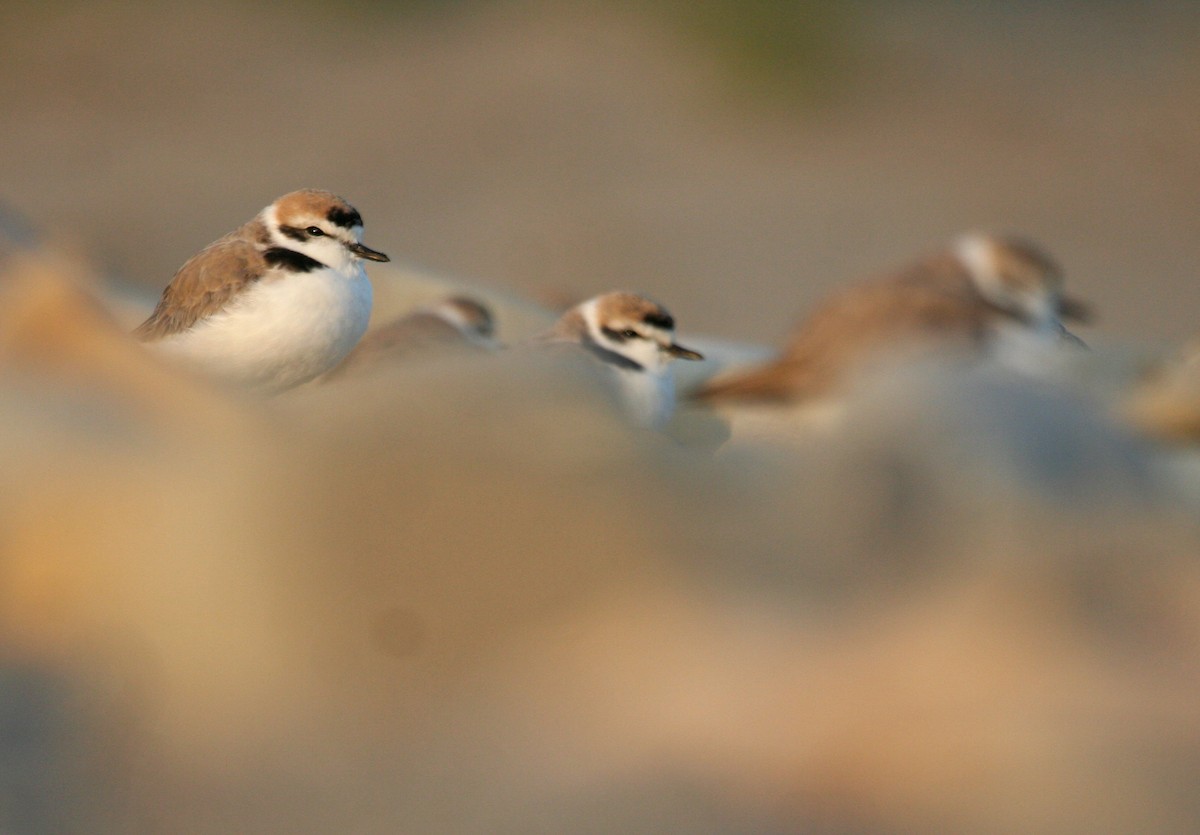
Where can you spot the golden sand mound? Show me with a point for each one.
(462, 595)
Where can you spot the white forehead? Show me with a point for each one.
(978, 254)
(604, 312)
(590, 311)
(306, 217)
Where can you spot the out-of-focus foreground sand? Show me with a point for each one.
(463, 596)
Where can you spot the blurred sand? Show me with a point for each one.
(462, 595)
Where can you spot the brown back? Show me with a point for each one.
(207, 282)
(931, 302)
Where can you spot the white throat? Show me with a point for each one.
(648, 396)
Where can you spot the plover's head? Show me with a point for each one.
(632, 332)
(469, 316)
(320, 225)
(1019, 278)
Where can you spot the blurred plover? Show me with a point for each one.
(453, 323)
(984, 295)
(274, 303)
(635, 338)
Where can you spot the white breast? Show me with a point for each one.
(282, 331)
(1037, 351)
(649, 396)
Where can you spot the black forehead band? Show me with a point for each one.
(660, 320)
(344, 216)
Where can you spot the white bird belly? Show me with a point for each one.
(281, 332)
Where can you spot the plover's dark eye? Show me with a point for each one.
(630, 333)
(315, 231)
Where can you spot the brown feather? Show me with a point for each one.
(208, 282)
(570, 327)
(931, 302)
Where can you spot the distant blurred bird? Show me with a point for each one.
(635, 338)
(982, 296)
(1165, 402)
(17, 232)
(274, 303)
(453, 323)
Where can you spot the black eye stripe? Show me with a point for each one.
(298, 234)
(623, 335)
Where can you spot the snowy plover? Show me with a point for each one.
(984, 295)
(635, 337)
(454, 323)
(274, 303)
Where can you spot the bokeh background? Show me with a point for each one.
(736, 159)
(462, 595)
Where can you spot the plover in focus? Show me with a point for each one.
(274, 303)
